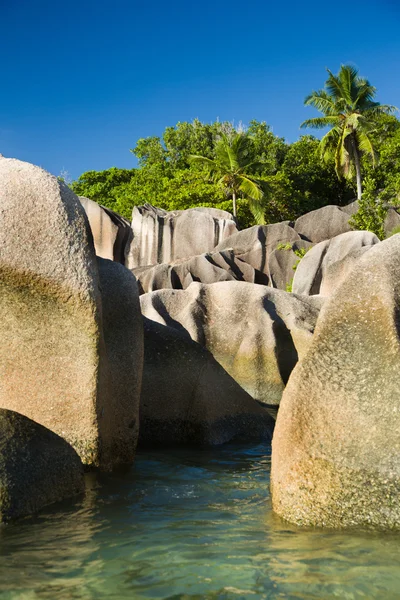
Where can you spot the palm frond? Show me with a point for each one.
(322, 102)
(348, 77)
(258, 210)
(365, 145)
(334, 87)
(321, 122)
(250, 188)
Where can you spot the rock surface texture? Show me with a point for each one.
(112, 234)
(188, 398)
(165, 237)
(123, 336)
(205, 268)
(255, 245)
(392, 220)
(324, 223)
(283, 263)
(255, 332)
(336, 446)
(37, 467)
(53, 358)
(328, 263)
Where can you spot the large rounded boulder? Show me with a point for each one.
(328, 263)
(255, 332)
(189, 399)
(160, 236)
(54, 364)
(255, 244)
(323, 223)
(37, 467)
(336, 447)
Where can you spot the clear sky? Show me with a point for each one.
(82, 80)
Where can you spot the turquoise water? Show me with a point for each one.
(189, 525)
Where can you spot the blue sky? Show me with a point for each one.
(82, 80)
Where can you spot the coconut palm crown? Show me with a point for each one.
(348, 107)
(231, 169)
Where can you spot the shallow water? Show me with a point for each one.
(189, 525)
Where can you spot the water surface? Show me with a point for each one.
(189, 525)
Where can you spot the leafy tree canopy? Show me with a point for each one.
(293, 177)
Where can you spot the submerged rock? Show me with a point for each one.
(54, 366)
(336, 446)
(37, 467)
(255, 332)
(188, 398)
(164, 237)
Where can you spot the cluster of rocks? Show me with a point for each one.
(177, 329)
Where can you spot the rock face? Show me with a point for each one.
(392, 221)
(37, 467)
(283, 262)
(324, 223)
(253, 331)
(53, 358)
(165, 237)
(327, 264)
(255, 245)
(336, 443)
(112, 234)
(206, 268)
(123, 336)
(188, 398)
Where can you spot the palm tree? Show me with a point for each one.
(348, 107)
(230, 169)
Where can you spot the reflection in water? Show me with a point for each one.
(189, 525)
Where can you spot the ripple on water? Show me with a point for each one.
(189, 525)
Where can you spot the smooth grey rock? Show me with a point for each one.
(336, 446)
(188, 398)
(206, 268)
(283, 263)
(351, 208)
(54, 366)
(37, 467)
(323, 224)
(255, 245)
(164, 237)
(112, 234)
(392, 220)
(123, 336)
(329, 262)
(255, 332)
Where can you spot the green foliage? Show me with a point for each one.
(372, 210)
(349, 109)
(231, 169)
(292, 177)
(106, 187)
(287, 246)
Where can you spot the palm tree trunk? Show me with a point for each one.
(234, 203)
(357, 166)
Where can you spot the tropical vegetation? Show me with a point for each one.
(267, 179)
(232, 170)
(349, 109)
